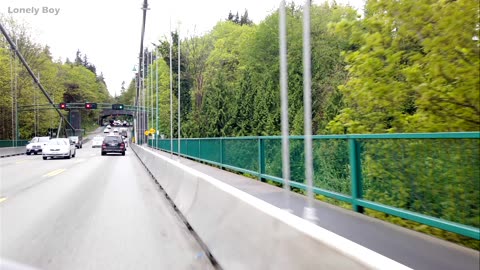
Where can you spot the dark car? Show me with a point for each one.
(77, 140)
(113, 144)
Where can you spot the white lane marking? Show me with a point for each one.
(21, 161)
(3, 199)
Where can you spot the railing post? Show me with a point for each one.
(356, 174)
(199, 148)
(221, 153)
(261, 159)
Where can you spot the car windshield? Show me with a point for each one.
(112, 139)
(43, 139)
(56, 142)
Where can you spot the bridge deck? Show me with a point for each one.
(413, 249)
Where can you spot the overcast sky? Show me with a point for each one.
(108, 31)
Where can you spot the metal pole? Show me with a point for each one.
(156, 97)
(171, 92)
(284, 104)
(309, 211)
(179, 104)
(59, 127)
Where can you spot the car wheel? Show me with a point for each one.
(35, 153)
(44, 158)
(69, 155)
(81, 146)
(28, 153)
(103, 153)
(74, 153)
(123, 153)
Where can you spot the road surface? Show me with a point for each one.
(90, 212)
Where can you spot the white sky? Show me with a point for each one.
(108, 31)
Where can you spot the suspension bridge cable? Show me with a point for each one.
(25, 64)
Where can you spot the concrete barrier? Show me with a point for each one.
(243, 232)
(12, 151)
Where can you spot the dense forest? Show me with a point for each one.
(404, 66)
(75, 81)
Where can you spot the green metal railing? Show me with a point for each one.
(430, 178)
(9, 143)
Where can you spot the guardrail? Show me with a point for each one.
(244, 232)
(10, 143)
(430, 178)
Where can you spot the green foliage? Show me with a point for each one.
(413, 67)
(64, 82)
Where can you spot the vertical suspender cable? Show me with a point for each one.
(144, 121)
(309, 212)
(179, 104)
(147, 91)
(12, 56)
(171, 92)
(151, 93)
(15, 68)
(156, 97)
(284, 103)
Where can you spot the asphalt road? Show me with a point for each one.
(89, 212)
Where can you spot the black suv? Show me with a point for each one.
(113, 144)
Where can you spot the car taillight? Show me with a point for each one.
(104, 145)
(122, 145)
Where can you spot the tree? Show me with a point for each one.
(413, 67)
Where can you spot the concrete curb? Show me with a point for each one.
(12, 151)
(244, 232)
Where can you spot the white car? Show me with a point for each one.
(36, 145)
(97, 141)
(60, 147)
(106, 130)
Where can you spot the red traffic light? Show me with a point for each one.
(62, 106)
(89, 105)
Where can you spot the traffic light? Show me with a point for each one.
(117, 107)
(62, 106)
(89, 105)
